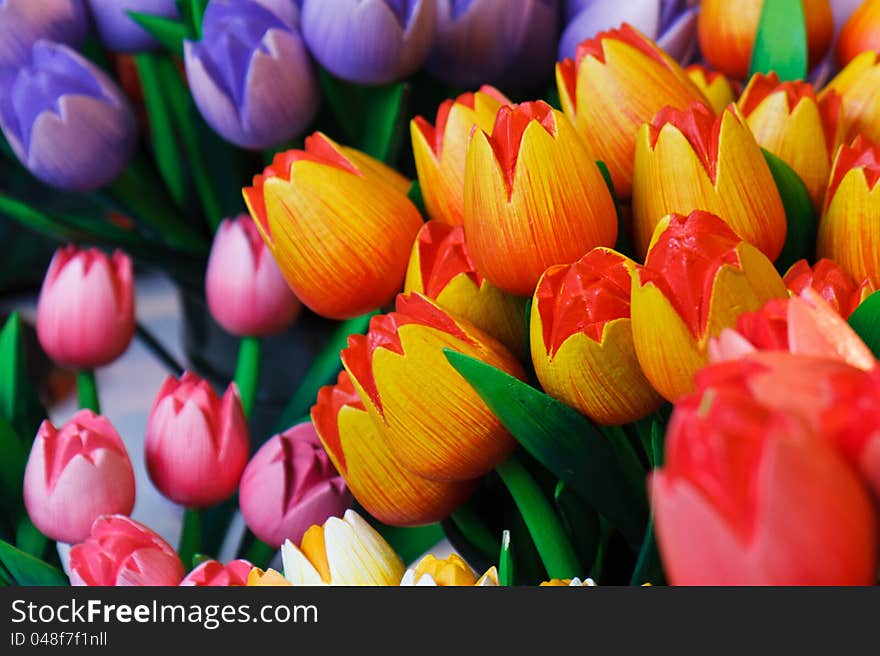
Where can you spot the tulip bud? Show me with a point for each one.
(447, 572)
(75, 474)
(85, 313)
(545, 194)
(434, 423)
(440, 149)
(370, 42)
(378, 481)
(835, 286)
(750, 496)
(618, 80)
(860, 33)
(289, 485)
(788, 120)
(346, 551)
(858, 86)
(246, 292)
(697, 279)
(691, 160)
(246, 49)
(581, 339)
(66, 120)
(849, 232)
(269, 578)
(441, 268)
(214, 574)
(671, 23)
(339, 225)
(122, 552)
(24, 22)
(727, 31)
(802, 325)
(119, 32)
(717, 89)
(196, 444)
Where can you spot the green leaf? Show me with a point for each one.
(800, 217)
(475, 531)
(781, 41)
(505, 561)
(167, 31)
(35, 220)
(409, 543)
(561, 439)
(384, 117)
(29, 539)
(13, 458)
(649, 568)
(866, 322)
(20, 405)
(196, 13)
(23, 569)
(322, 371)
(581, 524)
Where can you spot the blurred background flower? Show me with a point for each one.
(24, 22)
(121, 33)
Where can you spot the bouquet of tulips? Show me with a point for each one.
(616, 329)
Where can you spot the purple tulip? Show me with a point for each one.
(369, 41)
(671, 23)
(24, 22)
(66, 120)
(118, 31)
(250, 75)
(480, 41)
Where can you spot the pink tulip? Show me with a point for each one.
(246, 292)
(215, 574)
(121, 551)
(76, 474)
(85, 315)
(289, 485)
(196, 444)
(752, 496)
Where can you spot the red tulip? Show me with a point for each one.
(215, 574)
(839, 289)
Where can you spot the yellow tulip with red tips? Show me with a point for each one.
(338, 223)
(356, 446)
(440, 149)
(717, 89)
(618, 80)
(432, 420)
(581, 339)
(860, 33)
(858, 86)
(534, 197)
(849, 230)
(690, 160)
(441, 268)
(789, 121)
(697, 280)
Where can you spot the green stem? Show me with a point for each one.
(190, 536)
(475, 531)
(87, 390)
(247, 371)
(505, 561)
(557, 554)
(260, 554)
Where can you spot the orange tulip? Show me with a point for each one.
(860, 33)
(834, 285)
(788, 120)
(433, 422)
(441, 268)
(727, 28)
(698, 278)
(858, 86)
(691, 160)
(356, 445)
(338, 223)
(849, 230)
(582, 343)
(440, 149)
(714, 85)
(618, 80)
(534, 197)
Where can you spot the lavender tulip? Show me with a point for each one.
(24, 22)
(671, 23)
(250, 75)
(369, 41)
(66, 121)
(118, 31)
(482, 41)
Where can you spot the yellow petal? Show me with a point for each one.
(270, 577)
(859, 87)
